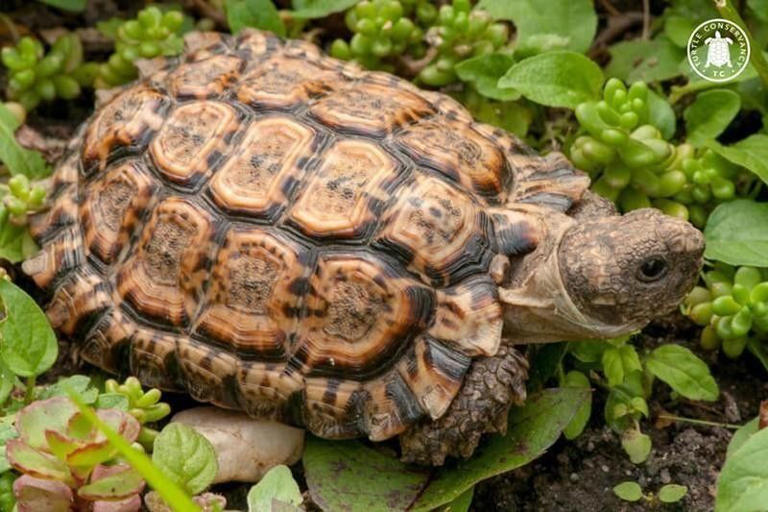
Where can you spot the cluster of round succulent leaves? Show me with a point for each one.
(36, 76)
(389, 28)
(633, 165)
(152, 34)
(21, 197)
(731, 306)
(145, 406)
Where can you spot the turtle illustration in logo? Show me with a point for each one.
(718, 53)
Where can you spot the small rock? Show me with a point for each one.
(664, 476)
(574, 477)
(246, 447)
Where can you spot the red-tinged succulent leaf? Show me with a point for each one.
(59, 444)
(115, 482)
(36, 463)
(86, 457)
(80, 428)
(37, 494)
(122, 422)
(132, 504)
(51, 414)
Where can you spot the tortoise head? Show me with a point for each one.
(606, 276)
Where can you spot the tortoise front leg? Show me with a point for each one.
(490, 387)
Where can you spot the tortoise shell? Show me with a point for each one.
(276, 231)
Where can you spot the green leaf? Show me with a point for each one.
(460, 504)
(612, 367)
(751, 153)
(555, 79)
(628, 491)
(278, 484)
(661, 115)
(484, 72)
(678, 29)
(7, 382)
(347, 475)
(576, 379)
(17, 159)
(533, 428)
(743, 482)
(186, 457)
(112, 401)
(35, 462)
(636, 444)
(308, 9)
(80, 384)
(590, 351)
(710, 114)
(118, 485)
(67, 5)
(672, 493)
(683, 371)
(109, 27)
(545, 359)
(7, 432)
(574, 21)
(51, 414)
(741, 435)
(760, 8)
(647, 61)
(16, 243)
(737, 233)
(29, 346)
(260, 14)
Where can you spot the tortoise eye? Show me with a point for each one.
(652, 269)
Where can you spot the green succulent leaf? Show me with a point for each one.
(710, 114)
(310, 9)
(737, 233)
(555, 79)
(277, 485)
(29, 345)
(51, 414)
(118, 484)
(484, 72)
(260, 14)
(683, 371)
(17, 159)
(185, 456)
(572, 21)
(36, 463)
(743, 482)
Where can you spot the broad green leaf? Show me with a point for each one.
(484, 72)
(740, 436)
(185, 456)
(7, 432)
(51, 414)
(678, 29)
(589, 351)
(278, 484)
(17, 159)
(574, 21)
(661, 115)
(260, 14)
(533, 428)
(760, 8)
(672, 493)
(710, 114)
(67, 5)
(555, 79)
(648, 61)
(636, 444)
(630, 361)
(460, 504)
(29, 346)
(683, 371)
(118, 485)
(737, 233)
(347, 475)
(16, 243)
(112, 401)
(7, 382)
(612, 367)
(576, 379)
(751, 153)
(80, 384)
(628, 491)
(307, 9)
(35, 462)
(743, 482)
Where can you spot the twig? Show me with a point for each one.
(699, 422)
(412, 66)
(609, 8)
(617, 26)
(646, 19)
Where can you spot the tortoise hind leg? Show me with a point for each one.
(490, 387)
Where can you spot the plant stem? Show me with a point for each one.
(30, 394)
(727, 11)
(699, 422)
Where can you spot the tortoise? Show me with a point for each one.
(275, 231)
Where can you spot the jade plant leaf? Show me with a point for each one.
(36, 463)
(112, 482)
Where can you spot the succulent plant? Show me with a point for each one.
(63, 458)
(20, 197)
(151, 34)
(35, 76)
(145, 406)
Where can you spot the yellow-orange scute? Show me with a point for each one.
(280, 232)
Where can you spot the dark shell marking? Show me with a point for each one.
(280, 232)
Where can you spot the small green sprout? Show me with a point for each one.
(20, 197)
(35, 76)
(151, 34)
(146, 407)
(631, 492)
